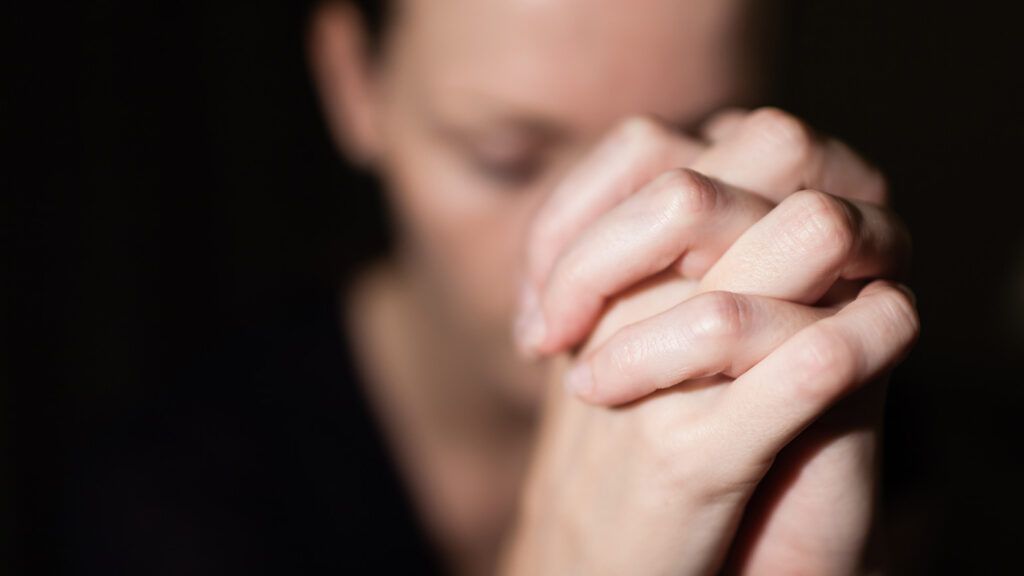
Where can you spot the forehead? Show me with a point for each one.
(582, 62)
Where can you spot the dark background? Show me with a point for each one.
(173, 192)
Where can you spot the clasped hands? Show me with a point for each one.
(724, 311)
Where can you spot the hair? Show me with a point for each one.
(376, 17)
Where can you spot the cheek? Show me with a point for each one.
(470, 237)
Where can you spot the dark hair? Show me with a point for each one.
(376, 14)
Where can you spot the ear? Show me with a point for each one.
(341, 66)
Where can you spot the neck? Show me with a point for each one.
(460, 443)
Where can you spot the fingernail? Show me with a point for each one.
(579, 379)
(530, 327)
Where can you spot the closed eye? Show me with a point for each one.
(508, 172)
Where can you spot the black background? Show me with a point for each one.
(171, 187)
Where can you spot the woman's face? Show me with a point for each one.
(478, 106)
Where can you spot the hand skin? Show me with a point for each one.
(748, 274)
(659, 486)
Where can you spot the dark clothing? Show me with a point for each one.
(266, 461)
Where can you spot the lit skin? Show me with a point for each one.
(712, 276)
(727, 276)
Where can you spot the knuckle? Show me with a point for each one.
(687, 193)
(723, 314)
(639, 129)
(728, 115)
(782, 127)
(825, 223)
(900, 313)
(638, 135)
(624, 352)
(827, 361)
(785, 130)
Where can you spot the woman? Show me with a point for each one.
(708, 283)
